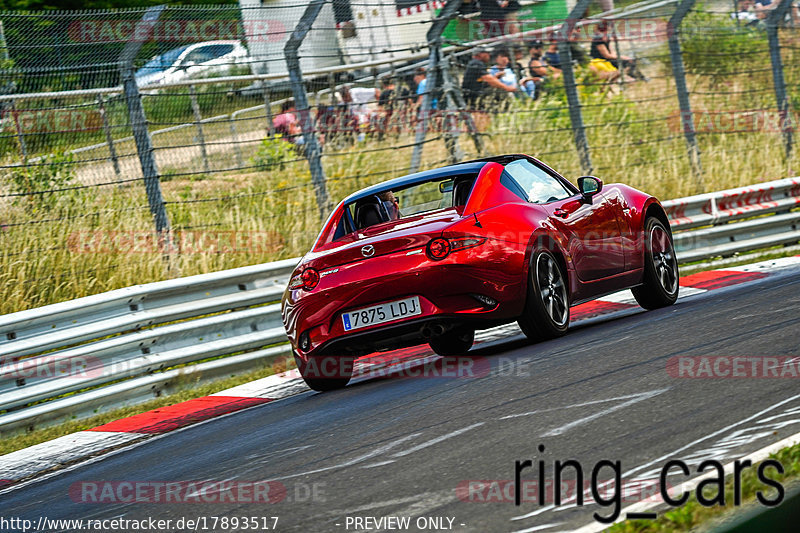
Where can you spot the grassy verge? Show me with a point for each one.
(18, 442)
(694, 516)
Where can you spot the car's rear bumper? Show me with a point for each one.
(446, 290)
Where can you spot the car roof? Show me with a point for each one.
(418, 177)
(442, 172)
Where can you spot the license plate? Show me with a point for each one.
(377, 314)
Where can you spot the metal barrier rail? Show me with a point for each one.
(724, 206)
(117, 344)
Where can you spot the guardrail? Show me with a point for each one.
(118, 344)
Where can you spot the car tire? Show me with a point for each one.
(546, 313)
(457, 341)
(325, 373)
(660, 284)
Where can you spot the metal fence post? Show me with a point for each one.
(312, 148)
(773, 21)
(20, 136)
(460, 105)
(198, 122)
(424, 110)
(571, 88)
(268, 111)
(678, 71)
(141, 135)
(112, 151)
(434, 38)
(332, 83)
(235, 140)
(451, 115)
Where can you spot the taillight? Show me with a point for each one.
(467, 242)
(438, 248)
(308, 279)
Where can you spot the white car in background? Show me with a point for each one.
(192, 61)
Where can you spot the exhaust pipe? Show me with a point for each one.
(428, 332)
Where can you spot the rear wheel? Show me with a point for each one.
(660, 287)
(325, 373)
(546, 313)
(457, 341)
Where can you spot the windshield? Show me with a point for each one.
(162, 62)
(403, 202)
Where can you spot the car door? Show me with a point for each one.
(591, 228)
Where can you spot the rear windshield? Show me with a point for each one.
(404, 202)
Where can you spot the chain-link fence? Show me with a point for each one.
(138, 144)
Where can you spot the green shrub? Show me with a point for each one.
(50, 173)
(714, 45)
(274, 152)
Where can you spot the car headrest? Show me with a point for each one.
(368, 214)
(461, 192)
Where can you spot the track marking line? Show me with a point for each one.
(640, 397)
(582, 404)
(382, 463)
(544, 509)
(538, 528)
(436, 440)
(351, 462)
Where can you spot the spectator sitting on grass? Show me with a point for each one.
(602, 55)
(763, 8)
(287, 125)
(358, 101)
(552, 60)
(421, 80)
(744, 11)
(526, 83)
(538, 70)
(477, 80)
(503, 72)
(388, 95)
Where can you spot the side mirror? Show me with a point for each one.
(589, 186)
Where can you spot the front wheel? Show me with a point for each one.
(660, 284)
(457, 341)
(546, 313)
(325, 373)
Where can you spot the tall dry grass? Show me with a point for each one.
(96, 239)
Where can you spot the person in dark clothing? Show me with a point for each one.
(538, 69)
(499, 17)
(601, 50)
(552, 59)
(477, 80)
(387, 96)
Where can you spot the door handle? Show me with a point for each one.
(559, 212)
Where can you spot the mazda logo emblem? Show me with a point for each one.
(368, 250)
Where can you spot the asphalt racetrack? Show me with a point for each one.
(444, 449)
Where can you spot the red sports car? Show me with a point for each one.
(433, 256)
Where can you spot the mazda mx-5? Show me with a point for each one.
(431, 257)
